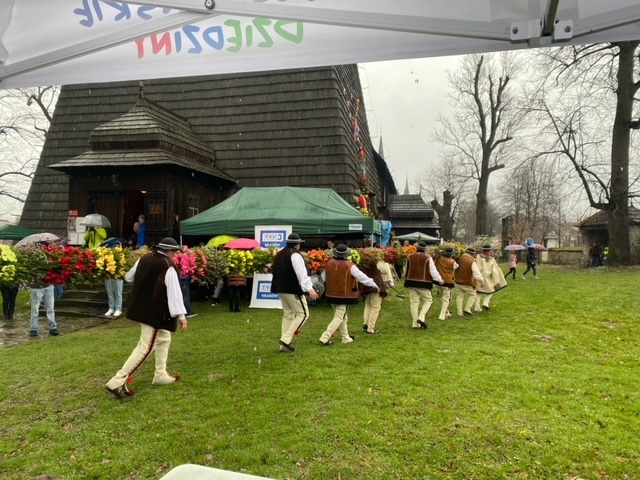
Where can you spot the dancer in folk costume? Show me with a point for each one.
(290, 282)
(493, 278)
(381, 274)
(342, 278)
(446, 266)
(419, 277)
(467, 276)
(156, 303)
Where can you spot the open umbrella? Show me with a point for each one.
(537, 247)
(44, 237)
(14, 232)
(96, 220)
(243, 244)
(220, 240)
(515, 246)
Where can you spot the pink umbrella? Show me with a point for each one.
(537, 247)
(515, 246)
(242, 244)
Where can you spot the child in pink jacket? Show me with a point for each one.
(513, 263)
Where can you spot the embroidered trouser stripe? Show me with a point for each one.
(146, 345)
(295, 313)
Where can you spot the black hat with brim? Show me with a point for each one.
(294, 238)
(168, 244)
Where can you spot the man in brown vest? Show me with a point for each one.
(446, 266)
(420, 274)
(342, 279)
(466, 277)
(156, 302)
(290, 281)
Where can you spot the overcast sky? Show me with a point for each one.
(403, 99)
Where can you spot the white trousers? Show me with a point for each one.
(415, 296)
(487, 299)
(445, 295)
(295, 313)
(338, 322)
(150, 339)
(470, 293)
(372, 306)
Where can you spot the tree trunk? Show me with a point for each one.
(619, 244)
(445, 215)
(481, 209)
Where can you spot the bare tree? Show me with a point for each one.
(585, 109)
(485, 119)
(25, 116)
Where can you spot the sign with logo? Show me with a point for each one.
(261, 296)
(272, 235)
(355, 227)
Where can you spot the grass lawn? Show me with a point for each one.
(546, 385)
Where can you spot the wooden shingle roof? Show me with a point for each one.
(601, 219)
(288, 127)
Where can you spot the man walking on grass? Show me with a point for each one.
(419, 277)
(290, 281)
(342, 279)
(156, 303)
(466, 276)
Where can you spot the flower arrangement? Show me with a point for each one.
(112, 263)
(495, 242)
(8, 260)
(458, 248)
(369, 257)
(192, 262)
(315, 260)
(409, 249)
(262, 259)
(239, 262)
(216, 264)
(394, 255)
(69, 265)
(31, 266)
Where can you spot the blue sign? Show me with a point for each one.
(273, 238)
(264, 291)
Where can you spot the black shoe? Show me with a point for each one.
(365, 327)
(468, 314)
(236, 310)
(33, 333)
(484, 307)
(192, 314)
(288, 346)
(54, 332)
(422, 324)
(328, 343)
(121, 392)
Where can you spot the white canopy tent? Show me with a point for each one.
(85, 41)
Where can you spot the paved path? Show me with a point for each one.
(16, 331)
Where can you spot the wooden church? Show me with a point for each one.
(172, 148)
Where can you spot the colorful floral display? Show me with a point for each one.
(239, 262)
(112, 263)
(370, 256)
(8, 261)
(315, 260)
(191, 262)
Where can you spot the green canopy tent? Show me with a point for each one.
(310, 211)
(417, 236)
(14, 232)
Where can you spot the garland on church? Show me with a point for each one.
(362, 198)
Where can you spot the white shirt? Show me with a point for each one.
(301, 272)
(174, 294)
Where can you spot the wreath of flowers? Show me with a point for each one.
(8, 261)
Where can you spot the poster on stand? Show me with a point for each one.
(261, 296)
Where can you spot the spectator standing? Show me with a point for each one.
(235, 285)
(9, 294)
(156, 303)
(595, 255)
(142, 232)
(291, 281)
(94, 236)
(42, 293)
